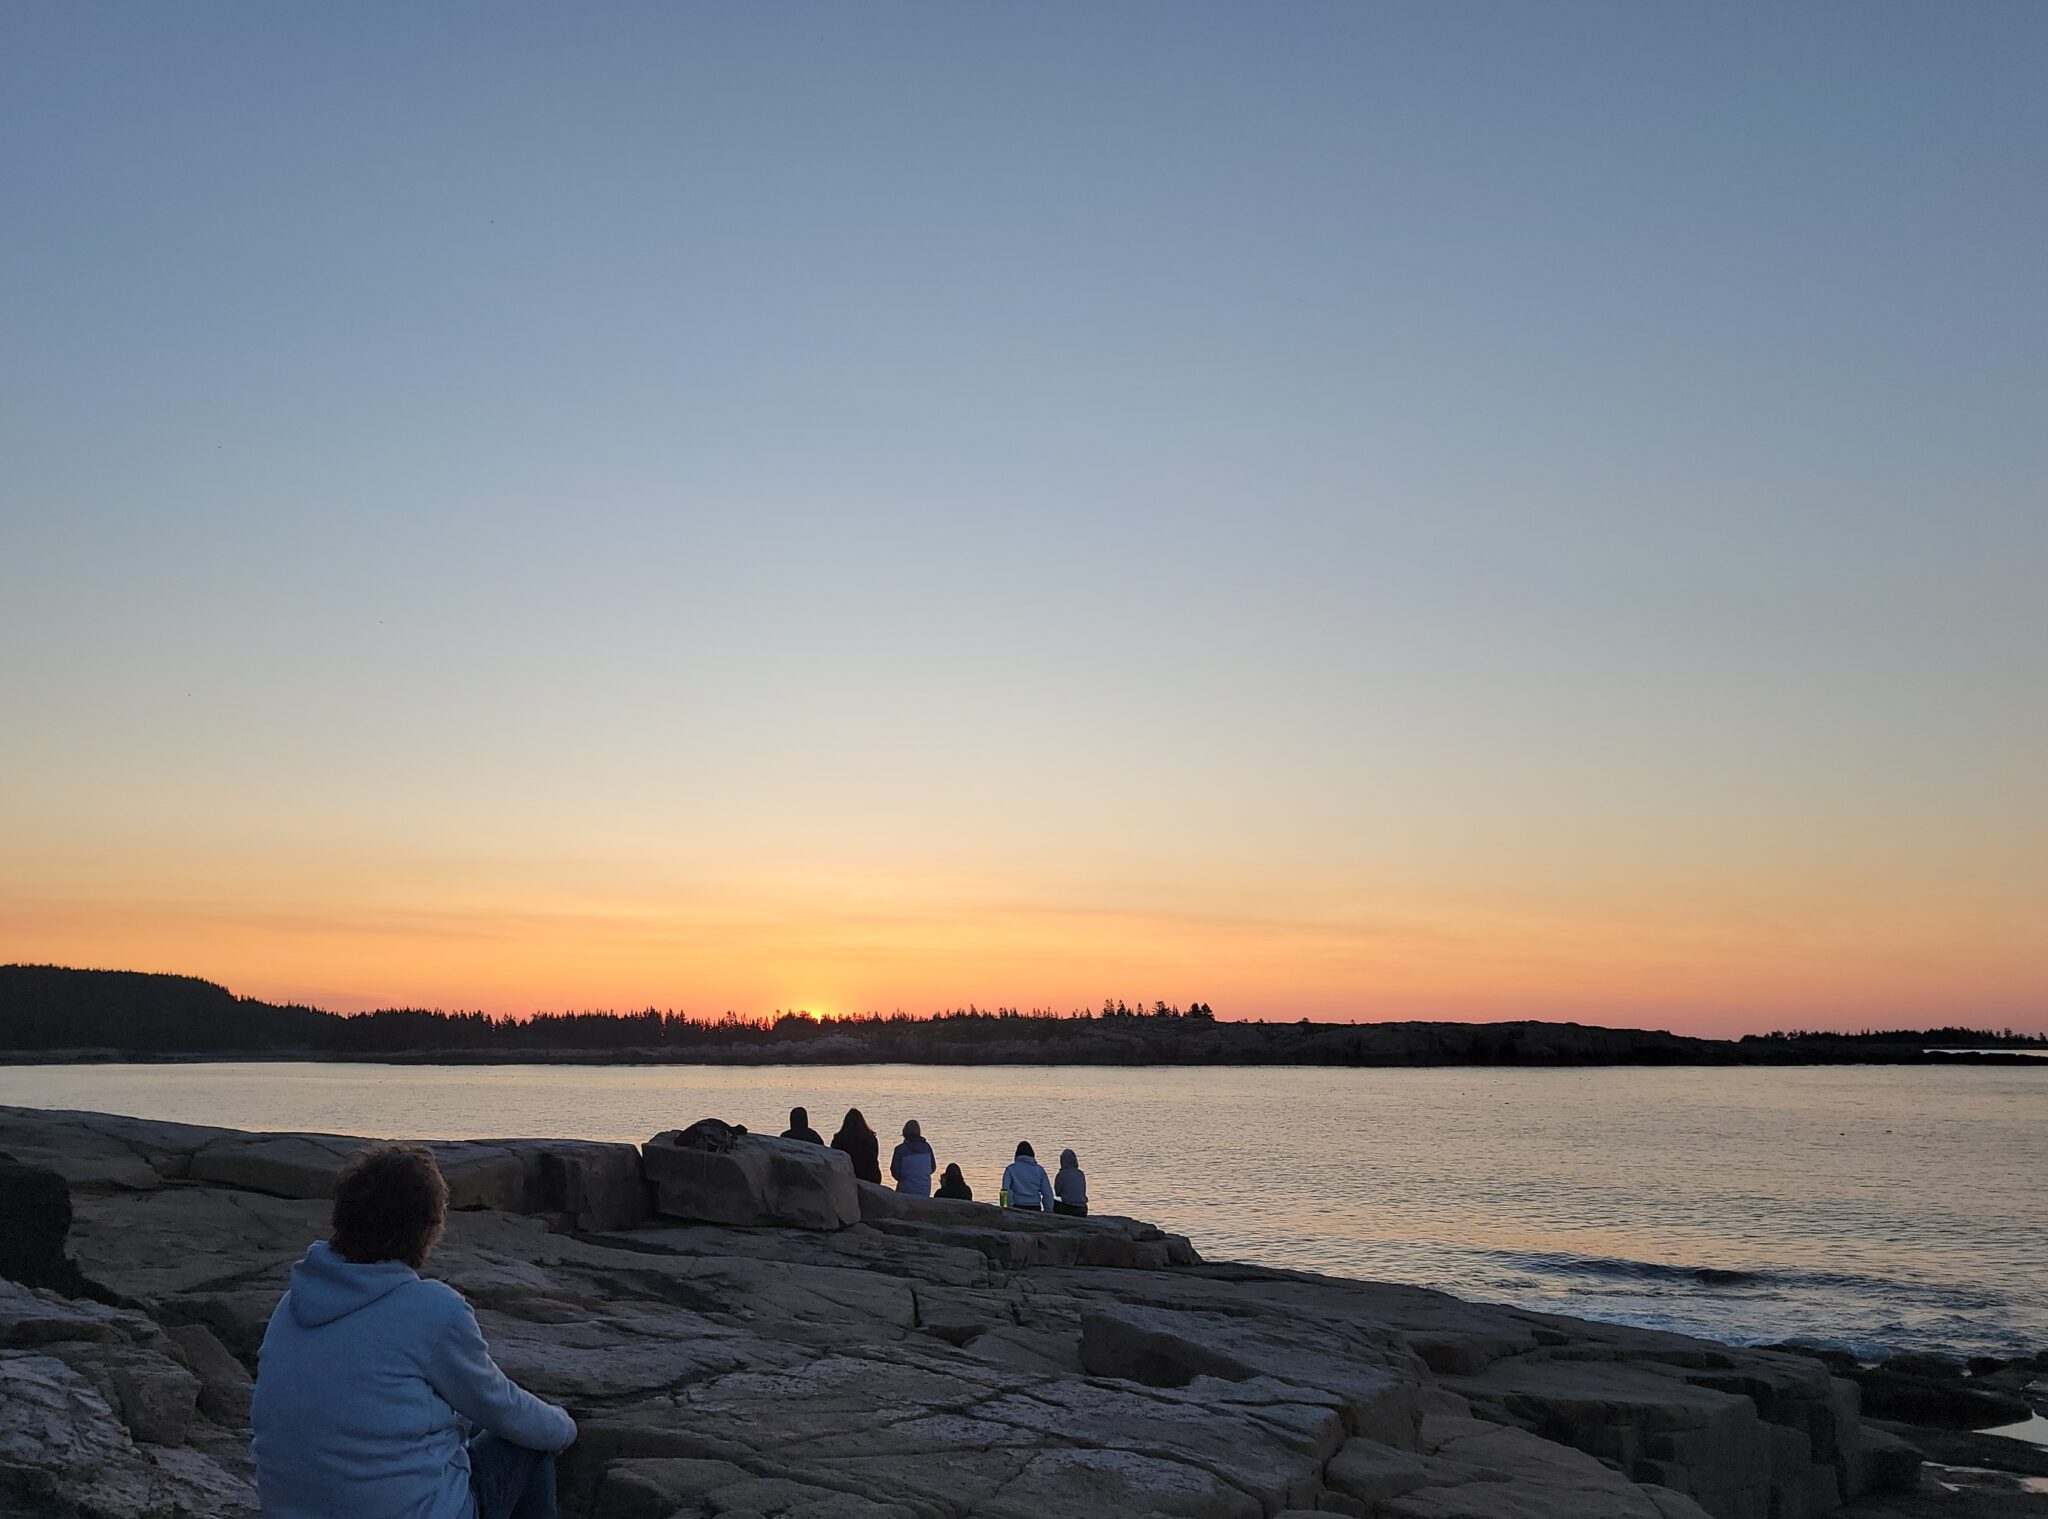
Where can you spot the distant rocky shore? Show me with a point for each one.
(755, 1335)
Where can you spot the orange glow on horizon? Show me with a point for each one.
(1704, 973)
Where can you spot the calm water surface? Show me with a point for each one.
(1868, 1208)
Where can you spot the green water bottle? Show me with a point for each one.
(1003, 1198)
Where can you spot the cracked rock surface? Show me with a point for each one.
(894, 1359)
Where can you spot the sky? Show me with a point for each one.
(1332, 510)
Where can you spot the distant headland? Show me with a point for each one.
(50, 1013)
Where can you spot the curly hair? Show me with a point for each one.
(389, 1205)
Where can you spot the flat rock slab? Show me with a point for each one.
(103, 1150)
(596, 1186)
(590, 1185)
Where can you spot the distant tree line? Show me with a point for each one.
(45, 1007)
(658, 1029)
(52, 1012)
(1953, 1037)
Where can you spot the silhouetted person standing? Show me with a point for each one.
(913, 1163)
(861, 1147)
(953, 1184)
(1025, 1184)
(800, 1127)
(1070, 1187)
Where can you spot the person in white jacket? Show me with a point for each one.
(376, 1397)
(1025, 1184)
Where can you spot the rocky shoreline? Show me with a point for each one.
(755, 1335)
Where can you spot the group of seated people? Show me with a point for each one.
(375, 1392)
(1025, 1184)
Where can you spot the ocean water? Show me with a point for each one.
(1871, 1209)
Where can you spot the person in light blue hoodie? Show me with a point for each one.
(1025, 1184)
(376, 1397)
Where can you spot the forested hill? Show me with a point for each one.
(47, 1007)
(47, 1012)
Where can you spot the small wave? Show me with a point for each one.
(1619, 1269)
(1612, 1276)
(1556, 1264)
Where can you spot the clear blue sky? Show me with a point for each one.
(1347, 509)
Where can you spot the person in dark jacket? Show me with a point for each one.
(861, 1147)
(913, 1162)
(800, 1127)
(1070, 1187)
(953, 1184)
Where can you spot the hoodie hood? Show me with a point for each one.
(1068, 1162)
(327, 1286)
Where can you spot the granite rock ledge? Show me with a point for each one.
(760, 1337)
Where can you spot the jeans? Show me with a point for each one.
(510, 1481)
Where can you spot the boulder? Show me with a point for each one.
(155, 1396)
(481, 1175)
(591, 1186)
(1841, 1362)
(758, 1181)
(35, 1202)
(1705, 1443)
(237, 1317)
(1956, 1447)
(306, 1165)
(102, 1151)
(1892, 1465)
(225, 1387)
(587, 1184)
(283, 1165)
(1941, 1400)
